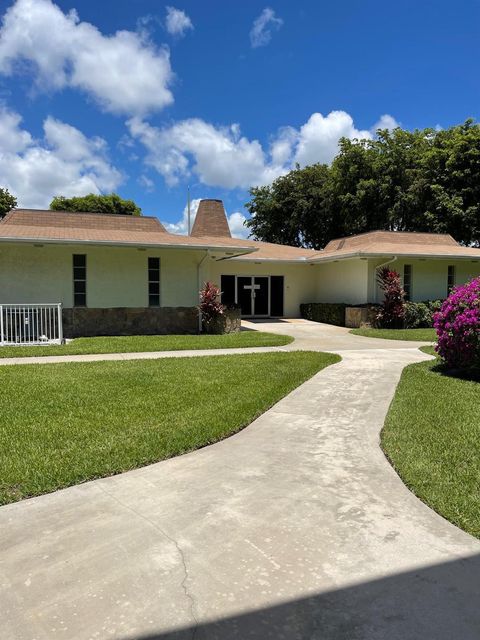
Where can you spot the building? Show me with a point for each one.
(121, 274)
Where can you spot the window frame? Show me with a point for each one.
(153, 281)
(408, 281)
(76, 280)
(451, 278)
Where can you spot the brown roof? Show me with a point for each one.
(270, 251)
(387, 243)
(84, 220)
(60, 226)
(211, 220)
(51, 226)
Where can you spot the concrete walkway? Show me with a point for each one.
(296, 528)
(311, 336)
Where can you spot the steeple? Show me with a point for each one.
(211, 220)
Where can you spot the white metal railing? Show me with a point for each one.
(25, 324)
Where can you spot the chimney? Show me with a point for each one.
(211, 220)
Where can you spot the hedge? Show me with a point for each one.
(330, 313)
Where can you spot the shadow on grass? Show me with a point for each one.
(470, 375)
(439, 602)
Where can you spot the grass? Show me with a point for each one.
(62, 424)
(134, 344)
(420, 335)
(432, 438)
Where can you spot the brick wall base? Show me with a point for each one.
(124, 321)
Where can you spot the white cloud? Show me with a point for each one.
(65, 162)
(235, 221)
(261, 31)
(177, 22)
(385, 122)
(220, 156)
(318, 137)
(124, 72)
(147, 183)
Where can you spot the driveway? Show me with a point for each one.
(296, 528)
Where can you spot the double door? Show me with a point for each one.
(253, 295)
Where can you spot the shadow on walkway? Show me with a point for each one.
(440, 602)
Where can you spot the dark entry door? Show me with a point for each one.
(260, 296)
(244, 294)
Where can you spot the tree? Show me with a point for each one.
(7, 202)
(110, 203)
(292, 209)
(422, 180)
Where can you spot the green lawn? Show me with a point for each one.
(132, 344)
(432, 437)
(420, 335)
(62, 424)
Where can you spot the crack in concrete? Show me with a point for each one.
(180, 552)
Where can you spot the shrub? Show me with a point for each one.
(392, 311)
(210, 306)
(458, 327)
(330, 313)
(419, 315)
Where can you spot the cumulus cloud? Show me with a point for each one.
(220, 156)
(263, 27)
(235, 221)
(385, 122)
(124, 72)
(318, 137)
(177, 22)
(64, 162)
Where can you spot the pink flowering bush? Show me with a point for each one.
(458, 327)
(210, 306)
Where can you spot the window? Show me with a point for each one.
(79, 280)
(450, 278)
(407, 281)
(154, 282)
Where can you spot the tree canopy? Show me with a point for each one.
(422, 180)
(7, 202)
(109, 203)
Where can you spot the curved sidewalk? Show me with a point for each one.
(296, 528)
(311, 336)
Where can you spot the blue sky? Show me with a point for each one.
(144, 98)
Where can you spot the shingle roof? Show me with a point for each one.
(211, 220)
(61, 226)
(386, 243)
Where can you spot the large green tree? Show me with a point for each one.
(423, 180)
(109, 203)
(7, 202)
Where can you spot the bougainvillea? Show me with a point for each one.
(458, 327)
(392, 312)
(210, 306)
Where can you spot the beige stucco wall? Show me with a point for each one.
(343, 281)
(116, 276)
(429, 277)
(299, 283)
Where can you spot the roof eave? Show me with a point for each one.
(420, 256)
(141, 245)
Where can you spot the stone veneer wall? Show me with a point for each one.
(124, 321)
(230, 322)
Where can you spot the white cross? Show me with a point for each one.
(251, 286)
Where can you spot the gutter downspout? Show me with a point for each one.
(199, 286)
(383, 264)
